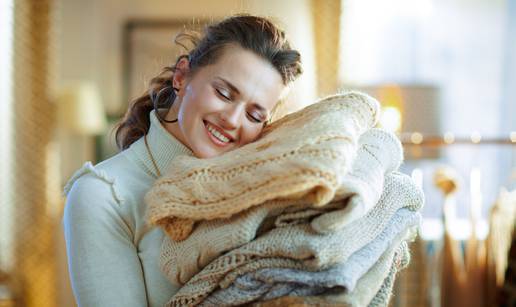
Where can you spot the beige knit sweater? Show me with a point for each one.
(299, 246)
(363, 185)
(300, 158)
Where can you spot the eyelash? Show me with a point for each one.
(229, 99)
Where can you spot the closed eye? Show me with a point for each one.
(253, 118)
(225, 97)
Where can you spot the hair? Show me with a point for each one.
(253, 33)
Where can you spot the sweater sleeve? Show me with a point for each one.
(103, 261)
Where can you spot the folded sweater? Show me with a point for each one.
(268, 283)
(361, 189)
(300, 244)
(379, 153)
(363, 295)
(301, 157)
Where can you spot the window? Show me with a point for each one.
(6, 97)
(454, 46)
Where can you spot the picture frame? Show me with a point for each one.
(147, 47)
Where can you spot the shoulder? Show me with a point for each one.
(115, 180)
(98, 179)
(96, 209)
(104, 193)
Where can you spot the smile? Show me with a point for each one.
(216, 136)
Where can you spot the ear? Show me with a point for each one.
(180, 75)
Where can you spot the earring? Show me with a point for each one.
(155, 100)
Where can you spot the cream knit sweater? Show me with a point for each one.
(299, 158)
(299, 246)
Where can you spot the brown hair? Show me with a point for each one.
(253, 33)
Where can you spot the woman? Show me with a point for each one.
(216, 98)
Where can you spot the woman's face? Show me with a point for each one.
(225, 104)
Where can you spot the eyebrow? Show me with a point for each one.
(235, 89)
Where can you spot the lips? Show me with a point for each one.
(215, 139)
(231, 139)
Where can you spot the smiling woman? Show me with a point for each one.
(224, 105)
(216, 98)
(237, 73)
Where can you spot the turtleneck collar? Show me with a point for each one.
(163, 146)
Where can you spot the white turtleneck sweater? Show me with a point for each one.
(112, 253)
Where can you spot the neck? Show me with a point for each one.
(162, 144)
(173, 127)
(175, 131)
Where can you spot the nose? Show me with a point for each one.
(231, 117)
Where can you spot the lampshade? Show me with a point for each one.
(81, 110)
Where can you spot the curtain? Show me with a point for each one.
(34, 170)
(326, 18)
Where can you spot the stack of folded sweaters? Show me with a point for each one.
(315, 210)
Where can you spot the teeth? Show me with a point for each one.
(217, 134)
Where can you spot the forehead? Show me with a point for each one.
(256, 80)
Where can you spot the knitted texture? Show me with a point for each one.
(301, 156)
(363, 295)
(383, 296)
(300, 242)
(379, 153)
(346, 274)
(401, 261)
(270, 283)
(372, 284)
(360, 188)
(179, 261)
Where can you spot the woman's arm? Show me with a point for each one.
(104, 266)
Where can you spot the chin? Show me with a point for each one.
(204, 156)
(206, 153)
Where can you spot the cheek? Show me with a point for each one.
(252, 134)
(190, 107)
(186, 117)
(201, 103)
(193, 109)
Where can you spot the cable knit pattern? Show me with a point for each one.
(270, 283)
(301, 156)
(300, 242)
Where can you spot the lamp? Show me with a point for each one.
(81, 110)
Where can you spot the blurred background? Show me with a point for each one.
(444, 71)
